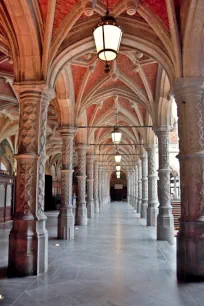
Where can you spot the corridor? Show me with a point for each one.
(112, 262)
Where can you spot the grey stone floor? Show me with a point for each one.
(115, 261)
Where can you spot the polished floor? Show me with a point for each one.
(115, 261)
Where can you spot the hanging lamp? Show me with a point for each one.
(117, 158)
(118, 174)
(116, 134)
(107, 35)
(118, 167)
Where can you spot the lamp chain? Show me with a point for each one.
(107, 10)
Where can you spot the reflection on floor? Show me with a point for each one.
(112, 262)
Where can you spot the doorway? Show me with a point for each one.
(118, 187)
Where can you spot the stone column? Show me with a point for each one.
(107, 188)
(136, 188)
(134, 204)
(28, 239)
(131, 189)
(144, 185)
(81, 213)
(128, 187)
(100, 188)
(139, 202)
(90, 180)
(66, 217)
(189, 93)
(165, 219)
(152, 210)
(96, 185)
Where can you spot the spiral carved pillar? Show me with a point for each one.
(165, 219)
(139, 202)
(28, 239)
(152, 210)
(81, 214)
(189, 93)
(66, 217)
(144, 185)
(96, 186)
(90, 180)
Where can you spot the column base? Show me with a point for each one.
(152, 214)
(190, 251)
(144, 209)
(66, 224)
(90, 209)
(81, 216)
(28, 248)
(165, 225)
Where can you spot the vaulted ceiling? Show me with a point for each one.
(85, 94)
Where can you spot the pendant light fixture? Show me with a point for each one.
(107, 35)
(118, 167)
(118, 174)
(116, 134)
(117, 158)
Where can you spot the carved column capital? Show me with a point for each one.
(184, 88)
(67, 130)
(37, 87)
(82, 148)
(162, 130)
(90, 158)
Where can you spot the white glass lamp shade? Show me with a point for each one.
(117, 158)
(118, 168)
(118, 174)
(116, 136)
(107, 36)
